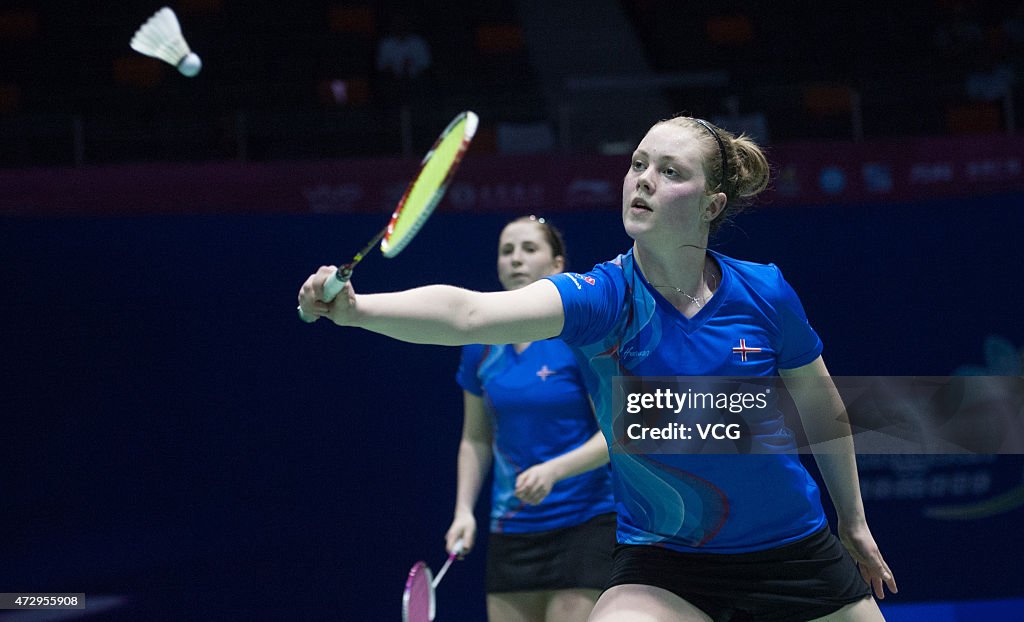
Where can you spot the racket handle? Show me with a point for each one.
(332, 287)
(456, 551)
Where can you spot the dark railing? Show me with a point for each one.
(573, 117)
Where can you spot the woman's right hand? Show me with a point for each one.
(463, 526)
(341, 310)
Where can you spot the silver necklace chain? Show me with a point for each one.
(699, 301)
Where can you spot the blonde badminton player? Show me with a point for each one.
(701, 537)
(526, 411)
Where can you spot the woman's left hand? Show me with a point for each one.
(857, 539)
(535, 483)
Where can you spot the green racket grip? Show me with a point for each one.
(332, 288)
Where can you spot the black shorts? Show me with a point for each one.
(803, 580)
(572, 557)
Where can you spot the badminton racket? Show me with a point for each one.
(421, 197)
(419, 602)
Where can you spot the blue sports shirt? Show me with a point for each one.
(539, 410)
(619, 325)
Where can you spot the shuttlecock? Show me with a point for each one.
(160, 37)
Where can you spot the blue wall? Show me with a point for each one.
(174, 435)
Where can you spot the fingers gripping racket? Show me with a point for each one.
(421, 197)
(418, 600)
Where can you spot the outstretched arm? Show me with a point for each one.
(441, 314)
(822, 414)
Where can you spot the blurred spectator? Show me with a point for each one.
(994, 73)
(753, 124)
(1012, 31)
(991, 82)
(403, 59)
(959, 36)
(959, 30)
(402, 53)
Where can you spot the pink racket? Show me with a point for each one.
(419, 602)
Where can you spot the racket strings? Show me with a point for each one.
(426, 191)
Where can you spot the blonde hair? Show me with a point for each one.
(746, 171)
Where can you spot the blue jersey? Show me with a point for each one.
(539, 410)
(619, 325)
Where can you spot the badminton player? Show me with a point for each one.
(552, 527)
(700, 537)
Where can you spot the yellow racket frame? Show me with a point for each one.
(426, 191)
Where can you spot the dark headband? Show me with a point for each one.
(721, 149)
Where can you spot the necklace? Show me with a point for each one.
(699, 301)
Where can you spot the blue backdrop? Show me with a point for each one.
(175, 437)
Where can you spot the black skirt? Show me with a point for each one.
(803, 580)
(572, 557)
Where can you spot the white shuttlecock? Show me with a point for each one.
(160, 37)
